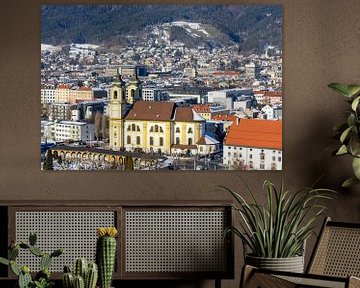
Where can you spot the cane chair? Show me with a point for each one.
(334, 263)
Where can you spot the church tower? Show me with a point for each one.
(117, 111)
(133, 89)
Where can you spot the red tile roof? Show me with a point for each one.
(273, 93)
(187, 114)
(184, 114)
(151, 110)
(255, 133)
(84, 88)
(224, 117)
(63, 86)
(202, 108)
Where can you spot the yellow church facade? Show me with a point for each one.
(149, 126)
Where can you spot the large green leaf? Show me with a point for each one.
(349, 182)
(351, 120)
(356, 167)
(353, 89)
(345, 134)
(354, 145)
(342, 150)
(340, 88)
(355, 103)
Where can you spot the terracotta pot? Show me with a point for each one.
(291, 264)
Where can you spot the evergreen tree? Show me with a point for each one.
(48, 163)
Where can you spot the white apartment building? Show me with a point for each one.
(47, 96)
(151, 94)
(70, 130)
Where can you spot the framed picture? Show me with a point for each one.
(161, 87)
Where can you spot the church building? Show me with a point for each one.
(149, 126)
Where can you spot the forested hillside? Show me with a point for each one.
(252, 26)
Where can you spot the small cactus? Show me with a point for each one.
(45, 261)
(13, 253)
(80, 267)
(79, 282)
(24, 280)
(106, 254)
(32, 239)
(36, 251)
(89, 272)
(68, 280)
(91, 276)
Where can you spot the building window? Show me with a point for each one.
(156, 128)
(177, 140)
(262, 155)
(201, 149)
(151, 141)
(151, 129)
(115, 95)
(273, 158)
(161, 141)
(161, 129)
(262, 166)
(128, 139)
(190, 130)
(137, 128)
(133, 127)
(235, 155)
(190, 141)
(138, 140)
(279, 159)
(177, 130)
(250, 156)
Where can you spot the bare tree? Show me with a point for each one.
(98, 124)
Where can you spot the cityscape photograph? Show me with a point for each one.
(161, 87)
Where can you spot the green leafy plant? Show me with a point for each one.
(279, 229)
(42, 278)
(349, 131)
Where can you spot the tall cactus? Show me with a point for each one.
(106, 254)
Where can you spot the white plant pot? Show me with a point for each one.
(291, 264)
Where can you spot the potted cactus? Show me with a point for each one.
(106, 254)
(84, 275)
(42, 278)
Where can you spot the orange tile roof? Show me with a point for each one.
(255, 133)
(224, 117)
(151, 111)
(84, 88)
(273, 93)
(63, 86)
(202, 108)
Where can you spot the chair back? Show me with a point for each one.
(337, 251)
